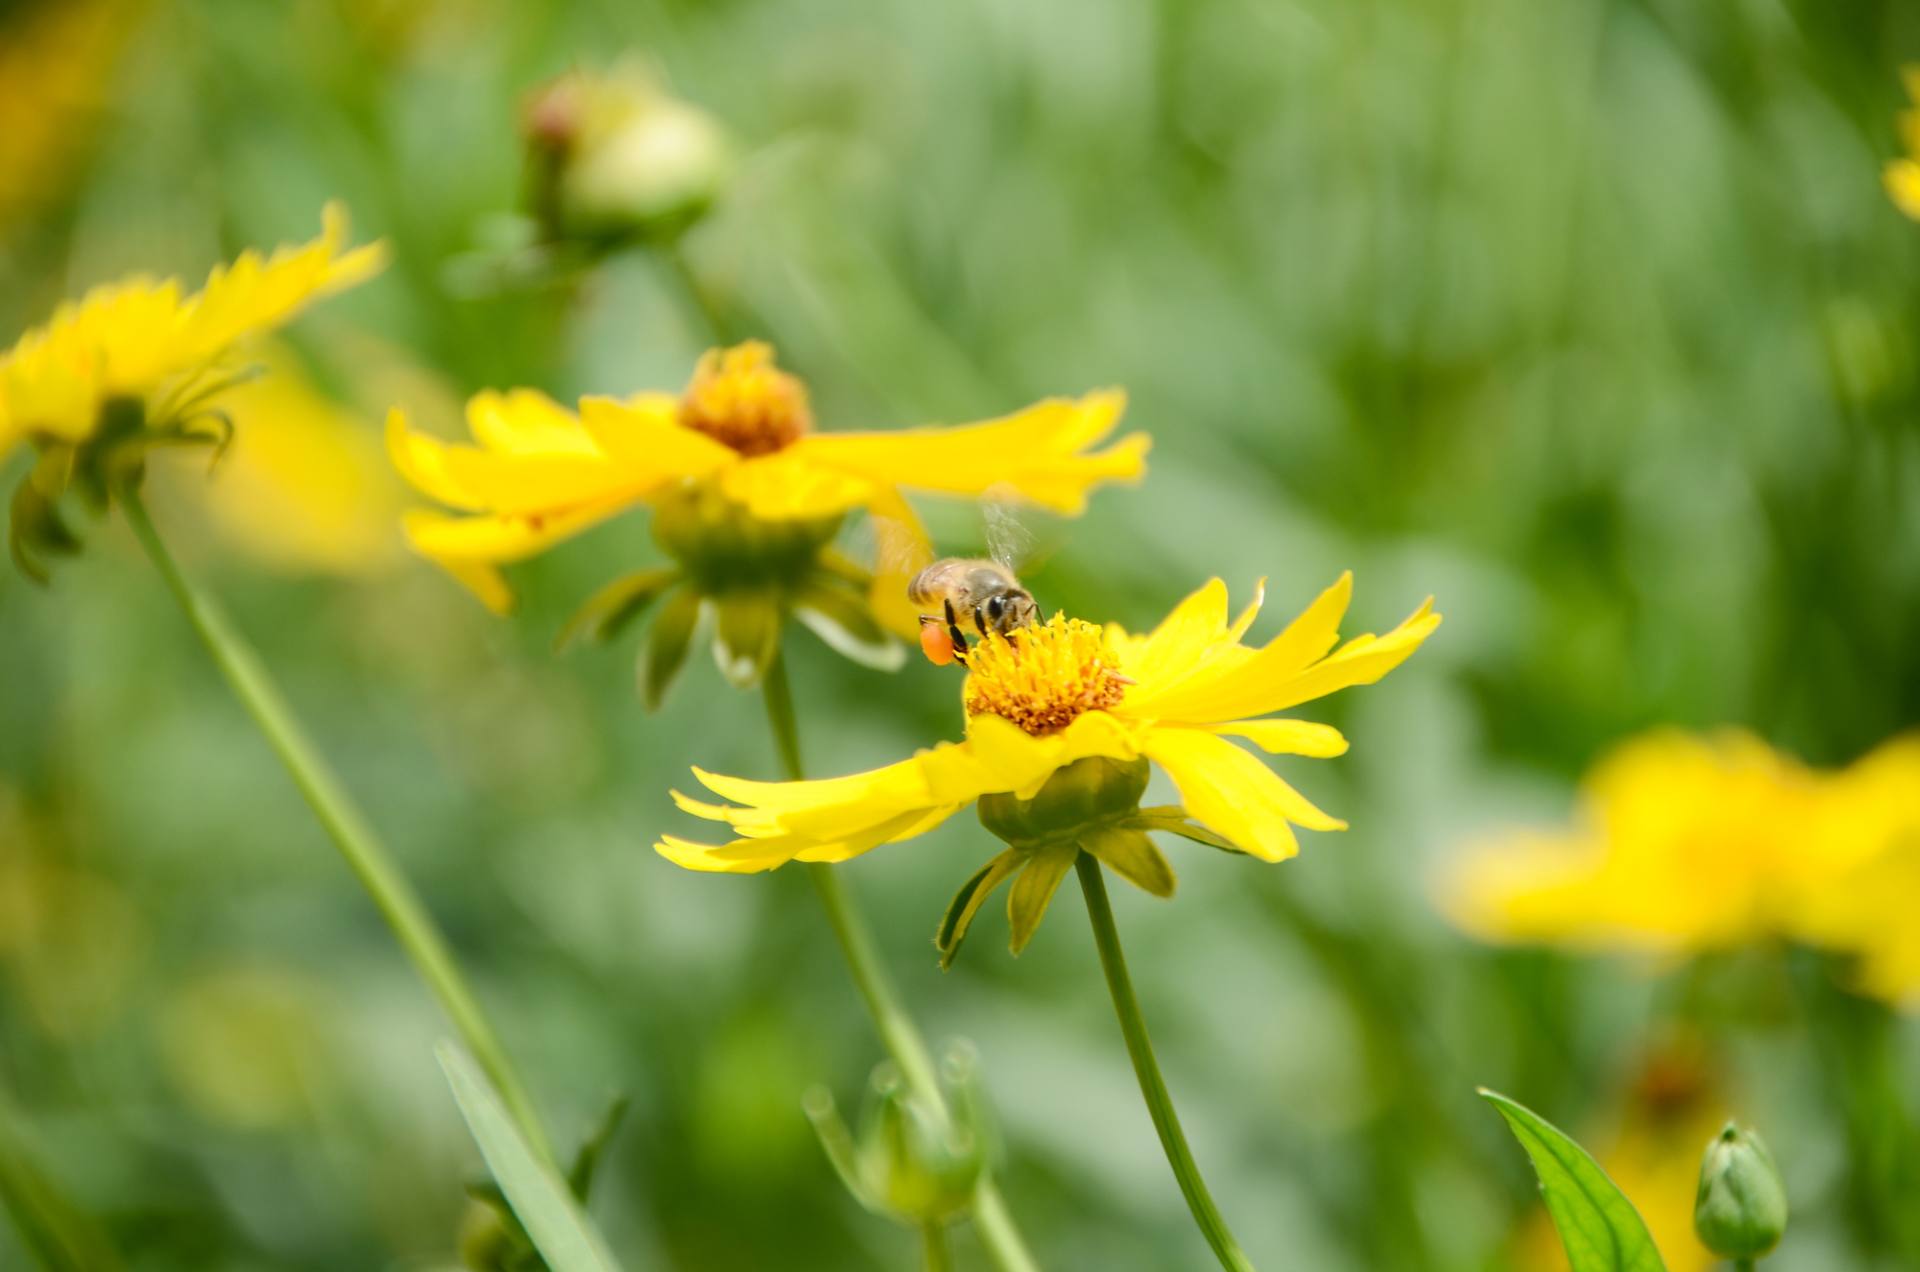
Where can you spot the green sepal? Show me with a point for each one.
(1173, 819)
(1033, 890)
(667, 644)
(967, 902)
(587, 1160)
(845, 622)
(1129, 853)
(747, 636)
(612, 609)
(35, 527)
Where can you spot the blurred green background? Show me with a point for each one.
(1590, 318)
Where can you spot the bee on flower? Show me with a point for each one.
(745, 496)
(136, 364)
(1063, 725)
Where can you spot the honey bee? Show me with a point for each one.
(978, 592)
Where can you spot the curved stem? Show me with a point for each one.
(335, 810)
(1152, 1086)
(898, 1034)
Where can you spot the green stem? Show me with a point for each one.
(897, 1031)
(933, 1246)
(334, 808)
(1152, 1086)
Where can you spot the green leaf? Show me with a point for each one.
(1173, 819)
(541, 1200)
(587, 1160)
(843, 620)
(967, 902)
(667, 646)
(1131, 855)
(609, 611)
(1598, 1225)
(1033, 891)
(747, 636)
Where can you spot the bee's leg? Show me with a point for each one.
(980, 622)
(954, 633)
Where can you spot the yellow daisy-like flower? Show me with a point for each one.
(542, 473)
(1692, 843)
(1063, 721)
(1903, 175)
(142, 339)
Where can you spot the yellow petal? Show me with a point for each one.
(1362, 661)
(786, 486)
(1038, 454)
(1288, 737)
(1902, 178)
(645, 430)
(1233, 793)
(526, 422)
(422, 460)
(1182, 640)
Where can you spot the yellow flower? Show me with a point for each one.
(141, 339)
(57, 61)
(305, 486)
(542, 473)
(1692, 843)
(1063, 721)
(1903, 175)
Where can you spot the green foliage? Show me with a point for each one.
(1598, 1225)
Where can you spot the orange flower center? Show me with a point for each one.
(1042, 678)
(740, 399)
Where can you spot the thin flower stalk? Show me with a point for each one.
(369, 859)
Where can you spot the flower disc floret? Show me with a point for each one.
(1043, 678)
(741, 400)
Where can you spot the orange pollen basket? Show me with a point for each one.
(741, 400)
(1043, 678)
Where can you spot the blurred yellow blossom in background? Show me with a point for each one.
(1903, 175)
(1688, 843)
(305, 486)
(56, 61)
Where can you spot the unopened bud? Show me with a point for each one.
(1741, 1209)
(916, 1163)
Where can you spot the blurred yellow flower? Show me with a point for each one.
(140, 339)
(1688, 843)
(56, 60)
(542, 473)
(305, 486)
(1062, 722)
(1903, 175)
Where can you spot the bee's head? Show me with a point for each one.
(1007, 611)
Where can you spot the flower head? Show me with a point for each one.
(1064, 721)
(137, 364)
(1903, 175)
(1691, 843)
(746, 496)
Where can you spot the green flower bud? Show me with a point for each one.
(1084, 794)
(1741, 1209)
(616, 156)
(908, 1161)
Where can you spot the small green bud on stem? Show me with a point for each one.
(1740, 1212)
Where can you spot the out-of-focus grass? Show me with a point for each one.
(1591, 318)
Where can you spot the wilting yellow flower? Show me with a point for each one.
(542, 473)
(305, 485)
(1689, 843)
(141, 339)
(1063, 720)
(1903, 175)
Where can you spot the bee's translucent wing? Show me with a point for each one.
(1008, 541)
(900, 550)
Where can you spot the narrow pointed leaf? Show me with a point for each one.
(844, 622)
(747, 636)
(1173, 819)
(1131, 855)
(667, 645)
(610, 611)
(560, 1230)
(1598, 1225)
(967, 902)
(1033, 890)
